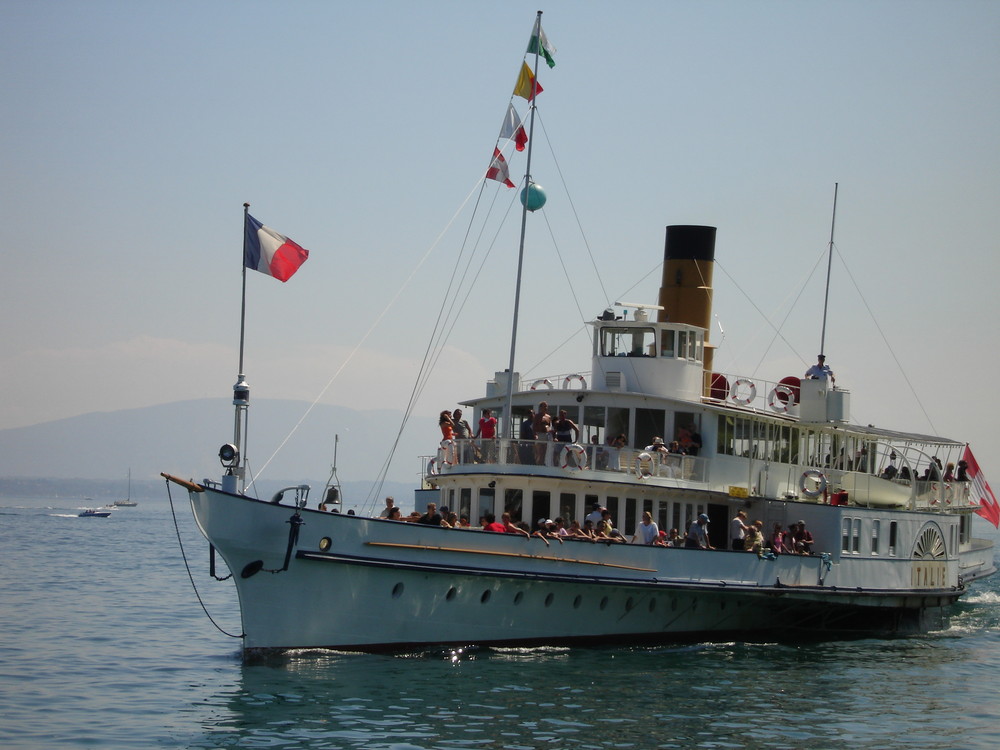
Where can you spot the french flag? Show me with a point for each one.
(267, 251)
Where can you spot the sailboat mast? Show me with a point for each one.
(829, 265)
(508, 417)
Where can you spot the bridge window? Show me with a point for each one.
(628, 342)
(875, 532)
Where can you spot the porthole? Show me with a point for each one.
(673, 605)
(548, 600)
(629, 603)
(325, 543)
(722, 604)
(397, 590)
(604, 603)
(451, 594)
(485, 597)
(652, 605)
(577, 601)
(518, 597)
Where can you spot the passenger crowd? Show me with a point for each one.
(599, 526)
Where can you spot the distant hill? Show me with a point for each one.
(183, 438)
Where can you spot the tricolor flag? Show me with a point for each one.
(267, 251)
(545, 49)
(512, 128)
(988, 506)
(498, 169)
(526, 84)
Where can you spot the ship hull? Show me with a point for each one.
(308, 579)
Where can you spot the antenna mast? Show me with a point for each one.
(829, 264)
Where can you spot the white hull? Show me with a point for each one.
(384, 584)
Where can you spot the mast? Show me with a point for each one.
(507, 422)
(829, 264)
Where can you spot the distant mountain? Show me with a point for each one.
(183, 438)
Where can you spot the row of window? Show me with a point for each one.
(529, 507)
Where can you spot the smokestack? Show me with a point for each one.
(686, 287)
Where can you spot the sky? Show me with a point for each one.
(131, 134)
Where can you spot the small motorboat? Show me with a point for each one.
(94, 513)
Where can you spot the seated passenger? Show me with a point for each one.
(510, 527)
(803, 539)
(889, 472)
(674, 538)
(490, 523)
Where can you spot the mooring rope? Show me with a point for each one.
(187, 567)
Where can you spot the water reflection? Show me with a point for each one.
(866, 694)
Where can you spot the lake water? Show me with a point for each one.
(104, 645)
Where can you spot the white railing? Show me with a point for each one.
(460, 454)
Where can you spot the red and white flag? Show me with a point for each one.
(988, 506)
(498, 169)
(513, 128)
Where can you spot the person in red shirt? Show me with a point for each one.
(488, 432)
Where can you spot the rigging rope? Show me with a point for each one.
(187, 567)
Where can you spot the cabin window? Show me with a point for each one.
(618, 422)
(612, 506)
(876, 525)
(541, 505)
(567, 506)
(628, 342)
(512, 503)
(667, 343)
(487, 495)
(593, 424)
(856, 537)
(465, 503)
(689, 345)
(893, 533)
(661, 517)
(677, 518)
(649, 423)
(630, 504)
(688, 517)
(845, 543)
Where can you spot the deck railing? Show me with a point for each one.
(460, 454)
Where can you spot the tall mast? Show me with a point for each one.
(508, 416)
(829, 264)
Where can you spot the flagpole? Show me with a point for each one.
(233, 481)
(508, 421)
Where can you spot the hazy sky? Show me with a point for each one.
(132, 133)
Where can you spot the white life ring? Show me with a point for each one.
(543, 381)
(642, 471)
(775, 400)
(432, 468)
(448, 452)
(817, 476)
(579, 454)
(751, 392)
(570, 378)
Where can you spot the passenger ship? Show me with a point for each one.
(891, 553)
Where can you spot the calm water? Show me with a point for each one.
(104, 645)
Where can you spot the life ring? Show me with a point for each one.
(641, 460)
(579, 456)
(448, 452)
(780, 398)
(432, 468)
(751, 393)
(570, 378)
(543, 381)
(817, 476)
